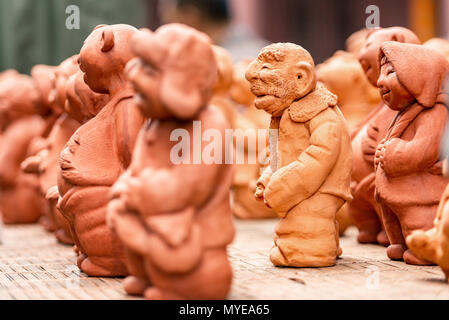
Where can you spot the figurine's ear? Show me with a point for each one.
(398, 38)
(305, 75)
(107, 40)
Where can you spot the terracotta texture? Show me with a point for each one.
(433, 245)
(310, 162)
(344, 77)
(176, 247)
(409, 181)
(19, 192)
(99, 151)
(221, 97)
(364, 210)
(248, 117)
(51, 84)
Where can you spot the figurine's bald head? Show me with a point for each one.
(281, 74)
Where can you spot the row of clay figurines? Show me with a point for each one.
(77, 151)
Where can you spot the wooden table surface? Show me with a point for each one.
(34, 266)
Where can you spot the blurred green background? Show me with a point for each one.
(35, 31)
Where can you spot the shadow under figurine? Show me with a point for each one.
(174, 219)
(100, 151)
(409, 181)
(310, 161)
(20, 199)
(364, 210)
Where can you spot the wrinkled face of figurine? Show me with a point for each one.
(146, 80)
(393, 93)
(369, 53)
(4, 118)
(277, 78)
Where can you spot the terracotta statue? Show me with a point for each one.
(355, 42)
(364, 210)
(307, 181)
(221, 97)
(433, 245)
(409, 181)
(175, 247)
(51, 82)
(99, 151)
(343, 76)
(20, 201)
(248, 117)
(439, 44)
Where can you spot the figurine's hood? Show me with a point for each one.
(419, 69)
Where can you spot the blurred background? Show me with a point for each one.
(34, 32)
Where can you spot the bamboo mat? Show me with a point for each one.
(34, 266)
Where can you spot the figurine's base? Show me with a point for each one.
(34, 266)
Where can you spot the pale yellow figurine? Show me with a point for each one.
(307, 181)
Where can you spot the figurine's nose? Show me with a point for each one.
(381, 83)
(251, 72)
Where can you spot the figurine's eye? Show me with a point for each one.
(390, 71)
(264, 66)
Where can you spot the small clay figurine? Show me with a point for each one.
(248, 117)
(20, 201)
(51, 82)
(439, 44)
(344, 77)
(433, 245)
(409, 182)
(364, 210)
(99, 151)
(175, 247)
(307, 181)
(355, 42)
(221, 97)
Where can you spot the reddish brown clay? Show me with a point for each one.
(248, 117)
(363, 209)
(176, 247)
(310, 160)
(433, 245)
(99, 151)
(51, 82)
(20, 201)
(409, 181)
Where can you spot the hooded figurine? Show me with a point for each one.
(307, 181)
(172, 214)
(409, 181)
(252, 121)
(363, 209)
(20, 200)
(100, 151)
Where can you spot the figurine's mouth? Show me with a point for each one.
(386, 94)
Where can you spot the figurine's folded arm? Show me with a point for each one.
(404, 157)
(299, 180)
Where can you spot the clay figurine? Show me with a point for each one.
(99, 151)
(51, 82)
(433, 245)
(248, 117)
(221, 97)
(364, 210)
(409, 182)
(175, 247)
(307, 181)
(20, 201)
